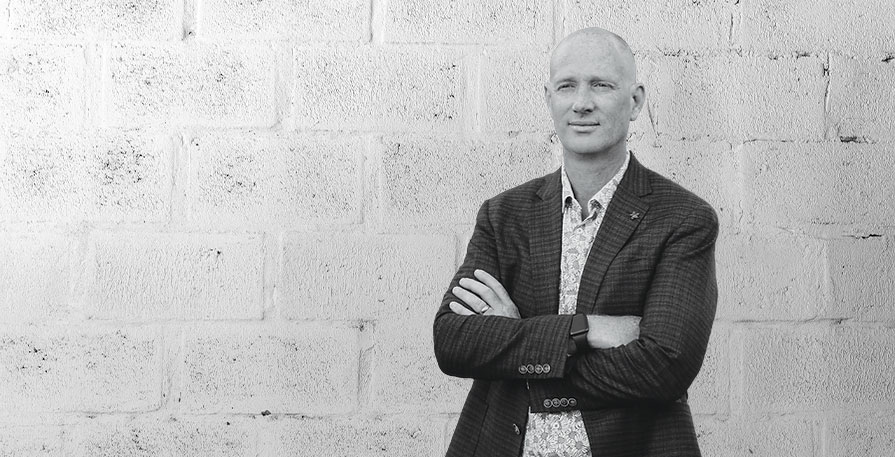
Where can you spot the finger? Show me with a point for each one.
(472, 300)
(460, 309)
(494, 284)
(484, 292)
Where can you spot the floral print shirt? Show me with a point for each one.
(562, 434)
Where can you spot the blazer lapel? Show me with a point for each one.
(545, 245)
(626, 210)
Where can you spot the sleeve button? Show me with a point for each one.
(555, 402)
(539, 369)
(547, 403)
(564, 402)
(546, 368)
(522, 369)
(573, 403)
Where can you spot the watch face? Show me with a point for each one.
(579, 325)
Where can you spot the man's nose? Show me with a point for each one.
(584, 103)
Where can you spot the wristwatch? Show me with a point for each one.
(578, 334)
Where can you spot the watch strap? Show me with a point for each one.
(578, 334)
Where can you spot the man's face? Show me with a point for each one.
(591, 95)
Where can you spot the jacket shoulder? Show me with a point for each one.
(521, 195)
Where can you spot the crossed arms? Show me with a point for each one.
(657, 364)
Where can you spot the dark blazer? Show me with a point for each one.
(653, 257)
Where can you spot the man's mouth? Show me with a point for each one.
(583, 125)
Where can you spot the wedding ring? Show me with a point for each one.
(485, 309)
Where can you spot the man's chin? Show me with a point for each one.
(586, 149)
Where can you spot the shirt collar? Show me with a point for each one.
(604, 195)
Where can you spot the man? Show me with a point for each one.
(585, 302)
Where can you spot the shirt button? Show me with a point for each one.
(516, 429)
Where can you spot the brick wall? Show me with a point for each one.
(225, 225)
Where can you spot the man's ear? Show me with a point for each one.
(638, 96)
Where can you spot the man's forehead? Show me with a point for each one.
(589, 50)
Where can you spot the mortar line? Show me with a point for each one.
(828, 79)
(377, 12)
(822, 434)
(557, 22)
(190, 18)
(473, 103)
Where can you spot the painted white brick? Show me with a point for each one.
(771, 276)
(851, 26)
(469, 21)
(97, 176)
(862, 278)
(192, 83)
(862, 98)
(152, 276)
(861, 434)
(710, 391)
(307, 368)
(251, 179)
(645, 24)
(308, 20)
(354, 276)
(758, 437)
(368, 437)
(30, 440)
(75, 368)
(513, 91)
(163, 436)
(441, 182)
(96, 19)
(35, 276)
(741, 97)
(43, 87)
(648, 73)
(405, 373)
(4, 18)
(380, 88)
(816, 368)
(708, 169)
(791, 184)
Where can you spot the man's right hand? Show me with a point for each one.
(606, 332)
(487, 297)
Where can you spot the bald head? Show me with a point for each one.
(593, 94)
(599, 43)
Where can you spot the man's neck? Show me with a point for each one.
(589, 173)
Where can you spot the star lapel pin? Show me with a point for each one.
(634, 215)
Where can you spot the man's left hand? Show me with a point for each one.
(485, 295)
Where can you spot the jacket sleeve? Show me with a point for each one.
(674, 331)
(496, 347)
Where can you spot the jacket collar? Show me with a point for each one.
(635, 181)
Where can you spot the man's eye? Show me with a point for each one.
(601, 85)
(565, 87)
